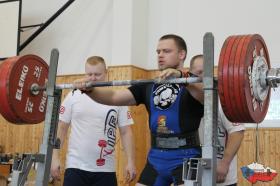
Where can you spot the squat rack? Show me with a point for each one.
(205, 168)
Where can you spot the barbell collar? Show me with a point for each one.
(273, 77)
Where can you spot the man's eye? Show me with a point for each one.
(167, 51)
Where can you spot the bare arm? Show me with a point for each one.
(196, 90)
(128, 144)
(61, 134)
(232, 146)
(108, 96)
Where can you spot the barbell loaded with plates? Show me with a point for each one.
(23, 94)
(244, 82)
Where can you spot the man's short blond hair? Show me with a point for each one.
(195, 58)
(94, 60)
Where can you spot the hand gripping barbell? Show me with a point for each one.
(244, 82)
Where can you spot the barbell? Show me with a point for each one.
(244, 82)
(23, 92)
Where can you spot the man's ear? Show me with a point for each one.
(182, 54)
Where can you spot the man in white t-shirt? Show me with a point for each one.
(90, 158)
(230, 136)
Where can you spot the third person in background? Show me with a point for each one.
(230, 136)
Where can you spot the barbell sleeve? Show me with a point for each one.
(273, 77)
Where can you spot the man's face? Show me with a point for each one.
(95, 72)
(169, 56)
(197, 67)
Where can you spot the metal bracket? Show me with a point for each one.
(273, 77)
(192, 170)
(22, 166)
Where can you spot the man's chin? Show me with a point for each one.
(162, 67)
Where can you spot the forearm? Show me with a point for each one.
(128, 145)
(232, 146)
(196, 90)
(110, 96)
(61, 134)
(102, 95)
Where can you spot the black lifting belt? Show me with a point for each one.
(175, 141)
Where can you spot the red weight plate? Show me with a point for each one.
(239, 78)
(223, 75)
(221, 84)
(256, 110)
(231, 80)
(5, 108)
(22, 73)
(220, 75)
(236, 87)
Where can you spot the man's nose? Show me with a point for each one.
(93, 78)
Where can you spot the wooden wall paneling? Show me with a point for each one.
(119, 73)
(139, 128)
(247, 148)
(3, 133)
(268, 153)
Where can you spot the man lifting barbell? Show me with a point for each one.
(175, 111)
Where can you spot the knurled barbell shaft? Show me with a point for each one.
(188, 80)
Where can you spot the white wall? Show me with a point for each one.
(126, 31)
(192, 18)
(116, 30)
(84, 29)
(140, 33)
(9, 12)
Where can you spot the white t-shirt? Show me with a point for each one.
(225, 128)
(93, 132)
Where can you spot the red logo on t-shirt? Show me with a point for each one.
(61, 110)
(101, 161)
